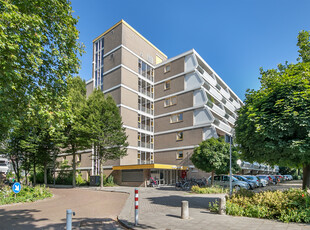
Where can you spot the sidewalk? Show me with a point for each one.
(160, 208)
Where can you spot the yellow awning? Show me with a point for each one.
(150, 166)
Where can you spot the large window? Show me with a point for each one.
(176, 118)
(170, 101)
(146, 70)
(98, 63)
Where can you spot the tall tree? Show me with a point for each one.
(212, 155)
(108, 135)
(274, 124)
(76, 135)
(38, 52)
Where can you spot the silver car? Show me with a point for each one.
(224, 182)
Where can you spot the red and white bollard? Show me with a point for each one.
(136, 206)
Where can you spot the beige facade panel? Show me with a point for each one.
(116, 94)
(169, 140)
(166, 123)
(129, 79)
(129, 117)
(139, 46)
(89, 88)
(175, 85)
(183, 101)
(113, 39)
(130, 60)
(131, 158)
(112, 60)
(112, 79)
(132, 138)
(171, 157)
(84, 159)
(112, 163)
(129, 98)
(176, 67)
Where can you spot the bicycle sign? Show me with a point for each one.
(16, 187)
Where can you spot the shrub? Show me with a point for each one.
(27, 194)
(209, 190)
(288, 206)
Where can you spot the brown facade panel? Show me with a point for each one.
(112, 163)
(84, 159)
(176, 85)
(112, 60)
(176, 67)
(129, 117)
(165, 123)
(112, 79)
(116, 94)
(113, 39)
(130, 60)
(171, 157)
(169, 140)
(132, 137)
(129, 79)
(129, 98)
(138, 45)
(183, 101)
(131, 158)
(89, 88)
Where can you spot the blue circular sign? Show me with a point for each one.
(16, 187)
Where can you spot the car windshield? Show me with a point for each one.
(251, 177)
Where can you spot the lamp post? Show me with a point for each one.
(229, 139)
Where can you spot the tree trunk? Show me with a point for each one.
(212, 178)
(34, 173)
(26, 175)
(18, 171)
(73, 167)
(306, 177)
(45, 174)
(101, 173)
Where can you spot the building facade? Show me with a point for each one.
(168, 107)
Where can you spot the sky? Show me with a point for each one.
(235, 37)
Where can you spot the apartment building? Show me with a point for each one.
(168, 107)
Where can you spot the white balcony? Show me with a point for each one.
(222, 125)
(229, 106)
(215, 93)
(231, 119)
(206, 76)
(236, 104)
(218, 110)
(225, 93)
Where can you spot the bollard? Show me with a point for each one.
(222, 206)
(69, 219)
(184, 210)
(136, 207)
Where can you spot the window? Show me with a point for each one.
(170, 101)
(179, 136)
(167, 85)
(180, 154)
(176, 118)
(217, 178)
(167, 68)
(78, 157)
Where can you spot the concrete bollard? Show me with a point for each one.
(184, 210)
(222, 206)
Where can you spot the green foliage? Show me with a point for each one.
(288, 206)
(213, 155)
(40, 178)
(27, 194)
(39, 51)
(65, 175)
(209, 190)
(110, 181)
(214, 207)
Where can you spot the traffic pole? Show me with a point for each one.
(136, 206)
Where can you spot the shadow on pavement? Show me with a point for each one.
(23, 219)
(175, 201)
(140, 226)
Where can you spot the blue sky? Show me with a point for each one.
(235, 37)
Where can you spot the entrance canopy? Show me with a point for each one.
(150, 166)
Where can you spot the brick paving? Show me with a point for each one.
(160, 208)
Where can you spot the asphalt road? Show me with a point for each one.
(93, 209)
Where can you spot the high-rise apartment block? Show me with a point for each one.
(168, 106)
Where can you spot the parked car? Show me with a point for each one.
(242, 178)
(279, 177)
(253, 179)
(275, 180)
(289, 177)
(223, 181)
(267, 178)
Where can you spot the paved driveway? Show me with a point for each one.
(94, 210)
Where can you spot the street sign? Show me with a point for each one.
(16, 187)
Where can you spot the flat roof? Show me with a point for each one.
(136, 32)
(150, 166)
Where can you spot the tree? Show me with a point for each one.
(76, 135)
(38, 52)
(212, 155)
(105, 123)
(274, 124)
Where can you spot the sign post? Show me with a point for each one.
(16, 187)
